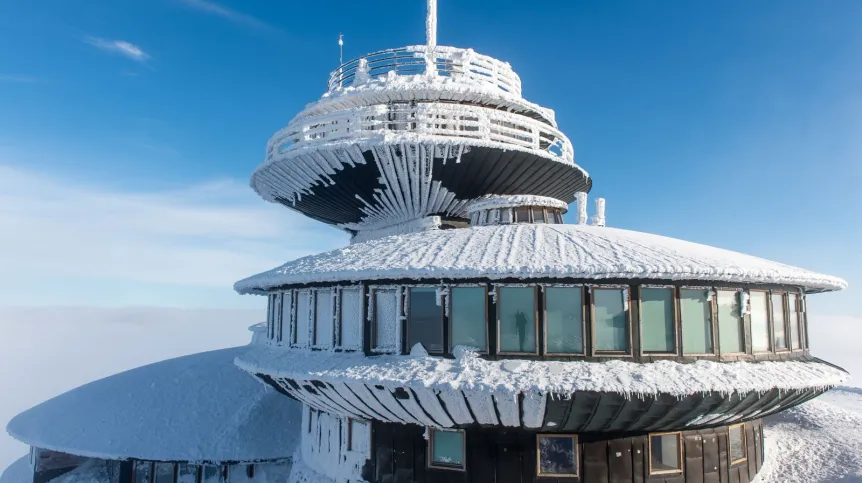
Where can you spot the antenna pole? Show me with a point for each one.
(340, 49)
(431, 24)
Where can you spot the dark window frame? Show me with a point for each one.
(628, 309)
(332, 304)
(677, 329)
(340, 318)
(574, 437)
(739, 292)
(437, 465)
(450, 297)
(544, 316)
(535, 312)
(408, 317)
(372, 302)
(713, 321)
(744, 458)
(681, 460)
(309, 317)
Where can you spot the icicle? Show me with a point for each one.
(581, 201)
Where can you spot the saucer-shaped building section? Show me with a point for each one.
(193, 419)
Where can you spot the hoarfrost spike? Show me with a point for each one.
(431, 24)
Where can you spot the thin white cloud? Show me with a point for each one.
(60, 235)
(228, 14)
(20, 79)
(119, 47)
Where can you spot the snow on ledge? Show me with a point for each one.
(547, 377)
(528, 251)
(490, 202)
(427, 223)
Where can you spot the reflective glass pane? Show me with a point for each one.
(522, 214)
(759, 321)
(323, 324)
(610, 319)
(793, 316)
(564, 320)
(664, 453)
(448, 448)
(696, 321)
(468, 317)
(211, 474)
(558, 455)
(303, 313)
(142, 471)
(729, 322)
(164, 473)
(778, 320)
(737, 443)
(538, 215)
(516, 307)
(187, 473)
(385, 319)
(657, 320)
(425, 321)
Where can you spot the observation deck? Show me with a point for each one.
(405, 133)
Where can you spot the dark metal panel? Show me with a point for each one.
(583, 405)
(620, 468)
(403, 451)
(508, 463)
(595, 468)
(640, 464)
(384, 435)
(481, 456)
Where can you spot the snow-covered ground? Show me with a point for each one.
(47, 351)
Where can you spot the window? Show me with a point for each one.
(270, 316)
(665, 451)
(730, 323)
(187, 473)
(793, 317)
(610, 319)
(447, 450)
(425, 321)
(778, 321)
(759, 321)
(164, 473)
(351, 318)
(564, 320)
(323, 318)
(557, 455)
(284, 315)
(695, 311)
(143, 471)
(211, 474)
(358, 435)
(522, 214)
(385, 319)
(303, 314)
(658, 321)
(506, 215)
(558, 217)
(468, 317)
(538, 215)
(736, 440)
(516, 312)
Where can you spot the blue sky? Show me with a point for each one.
(128, 130)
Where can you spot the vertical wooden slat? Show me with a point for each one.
(711, 472)
(693, 458)
(620, 468)
(722, 457)
(595, 468)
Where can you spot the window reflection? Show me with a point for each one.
(610, 319)
(759, 321)
(468, 317)
(657, 319)
(778, 320)
(516, 307)
(695, 313)
(729, 322)
(425, 324)
(564, 320)
(793, 316)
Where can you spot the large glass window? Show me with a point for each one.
(778, 321)
(352, 318)
(323, 324)
(211, 474)
(736, 440)
(360, 434)
(564, 320)
(284, 316)
(730, 336)
(759, 303)
(516, 309)
(270, 316)
(187, 473)
(522, 214)
(143, 471)
(657, 320)
(665, 453)
(558, 455)
(425, 323)
(447, 449)
(303, 314)
(385, 319)
(696, 317)
(468, 317)
(164, 473)
(610, 319)
(538, 215)
(793, 317)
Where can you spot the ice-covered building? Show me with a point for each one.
(468, 334)
(193, 419)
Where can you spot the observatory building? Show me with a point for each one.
(467, 333)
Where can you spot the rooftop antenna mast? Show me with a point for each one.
(431, 25)
(340, 48)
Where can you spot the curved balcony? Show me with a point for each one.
(461, 65)
(481, 125)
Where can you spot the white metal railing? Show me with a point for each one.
(458, 64)
(433, 119)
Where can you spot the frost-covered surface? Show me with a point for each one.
(532, 376)
(535, 250)
(817, 442)
(193, 408)
(490, 202)
(331, 448)
(18, 472)
(92, 471)
(414, 226)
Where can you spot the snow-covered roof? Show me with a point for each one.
(194, 408)
(18, 472)
(534, 251)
